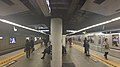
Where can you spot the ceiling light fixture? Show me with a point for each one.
(18, 25)
(15, 29)
(72, 31)
(99, 24)
(48, 3)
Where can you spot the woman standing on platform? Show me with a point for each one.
(27, 49)
(106, 48)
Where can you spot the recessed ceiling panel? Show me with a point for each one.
(16, 7)
(106, 7)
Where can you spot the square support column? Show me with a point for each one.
(56, 41)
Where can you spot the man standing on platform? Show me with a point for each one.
(32, 45)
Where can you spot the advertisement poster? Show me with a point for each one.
(115, 40)
(91, 39)
(101, 39)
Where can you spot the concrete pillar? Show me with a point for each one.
(56, 41)
(63, 40)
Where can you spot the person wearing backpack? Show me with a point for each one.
(106, 48)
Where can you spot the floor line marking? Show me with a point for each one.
(6, 60)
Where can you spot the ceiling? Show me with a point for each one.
(103, 7)
(11, 7)
(76, 14)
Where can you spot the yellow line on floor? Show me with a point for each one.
(11, 58)
(6, 60)
(114, 64)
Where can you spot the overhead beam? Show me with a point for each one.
(75, 5)
(44, 7)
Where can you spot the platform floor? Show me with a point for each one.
(81, 60)
(34, 61)
(10, 54)
(73, 58)
(111, 58)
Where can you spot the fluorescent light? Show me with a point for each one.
(71, 31)
(1, 38)
(28, 38)
(99, 24)
(35, 38)
(18, 25)
(45, 30)
(84, 32)
(48, 3)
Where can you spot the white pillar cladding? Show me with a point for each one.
(56, 41)
(64, 40)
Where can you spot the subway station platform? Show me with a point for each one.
(74, 58)
(57, 22)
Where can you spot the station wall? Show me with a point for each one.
(6, 46)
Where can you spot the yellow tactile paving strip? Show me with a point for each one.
(15, 56)
(11, 58)
(114, 64)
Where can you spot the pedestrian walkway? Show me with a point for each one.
(80, 60)
(73, 58)
(94, 54)
(34, 61)
(4, 59)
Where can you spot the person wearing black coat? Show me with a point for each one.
(86, 47)
(85, 42)
(27, 49)
(48, 51)
(32, 45)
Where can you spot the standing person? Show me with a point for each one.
(45, 42)
(106, 48)
(64, 50)
(86, 47)
(70, 41)
(27, 49)
(49, 43)
(32, 45)
(41, 42)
